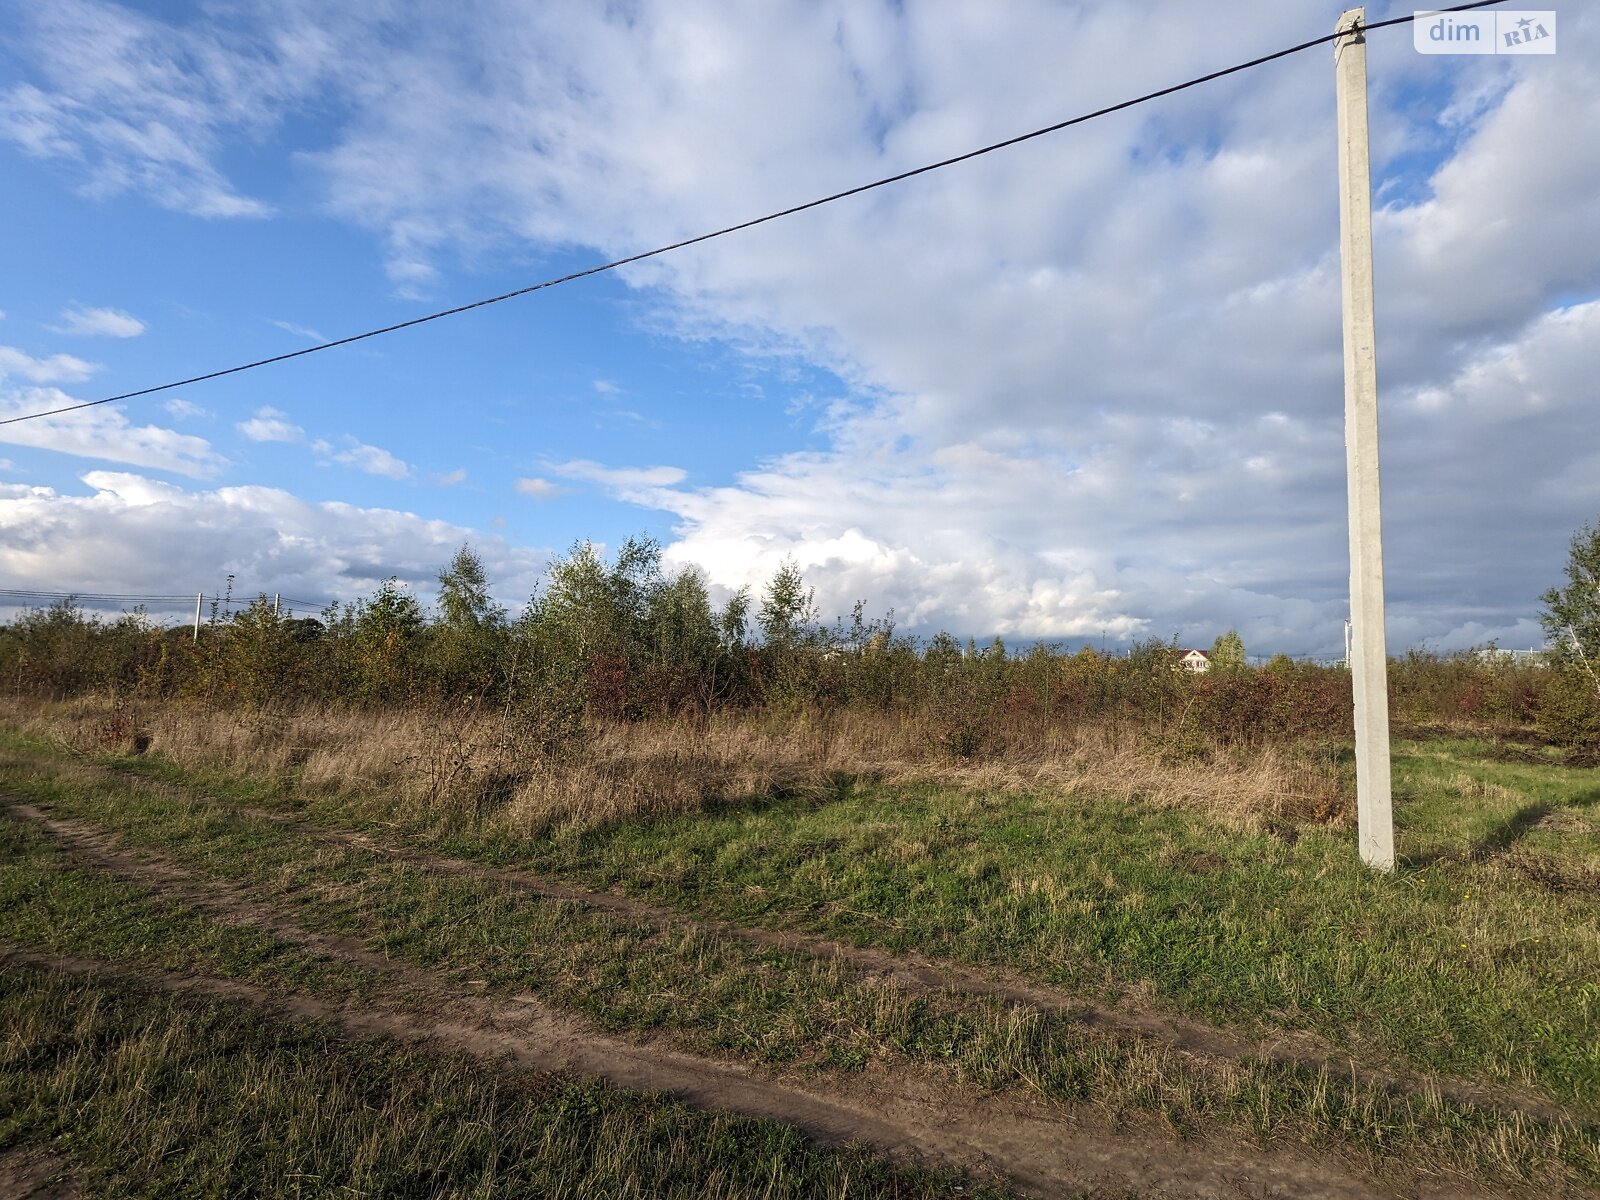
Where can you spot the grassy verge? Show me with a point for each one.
(1476, 800)
(50, 904)
(160, 1096)
(772, 1006)
(1475, 960)
(1464, 965)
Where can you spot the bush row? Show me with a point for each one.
(628, 639)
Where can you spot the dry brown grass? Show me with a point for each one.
(465, 764)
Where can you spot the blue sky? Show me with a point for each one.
(1085, 387)
(491, 398)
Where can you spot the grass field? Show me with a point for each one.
(956, 984)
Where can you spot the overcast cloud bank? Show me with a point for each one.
(1093, 384)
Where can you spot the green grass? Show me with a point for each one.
(1463, 799)
(1461, 963)
(169, 1097)
(50, 904)
(1464, 967)
(1113, 891)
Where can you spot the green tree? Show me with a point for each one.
(464, 601)
(467, 646)
(385, 630)
(733, 620)
(682, 643)
(790, 653)
(53, 648)
(1569, 705)
(1227, 652)
(258, 653)
(1571, 615)
(590, 630)
(787, 609)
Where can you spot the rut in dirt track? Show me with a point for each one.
(1040, 1148)
(1037, 1150)
(918, 974)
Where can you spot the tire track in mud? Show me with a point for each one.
(920, 975)
(1037, 1150)
(1039, 1147)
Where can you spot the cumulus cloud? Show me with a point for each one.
(129, 533)
(374, 460)
(58, 368)
(99, 322)
(1189, 527)
(270, 425)
(183, 410)
(1090, 382)
(103, 433)
(537, 489)
(621, 478)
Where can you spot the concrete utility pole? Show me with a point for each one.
(199, 596)
(1369, 666)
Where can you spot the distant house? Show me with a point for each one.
(1516, 658)
(1197, 661)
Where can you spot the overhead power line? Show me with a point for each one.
(240, 597)
(20, 593)
(753, 222)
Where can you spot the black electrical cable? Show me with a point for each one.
(121, 598)
(787, 212)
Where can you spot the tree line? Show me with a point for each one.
(626, 638)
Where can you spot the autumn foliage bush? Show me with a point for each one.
(628, 640)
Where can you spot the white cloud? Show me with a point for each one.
(134, 104)
(99, 322)
(301, 331)
(104, 433)
(621, 478)
(374, 460)
(1095, 378)
(58, 368)
(607, 388)
(451, 478)
(1190, 528)
(270, 425)
(183, 410)
(133, 534)
(538, 489)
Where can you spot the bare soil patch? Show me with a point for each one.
(33, 1174)
(1038, 1146)
(1554, 873)
(919, 974)
(912, 973)
(1040, 1149)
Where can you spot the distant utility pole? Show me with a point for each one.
(199, 597)
(1369, 665)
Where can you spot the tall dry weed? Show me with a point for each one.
(465, 764)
